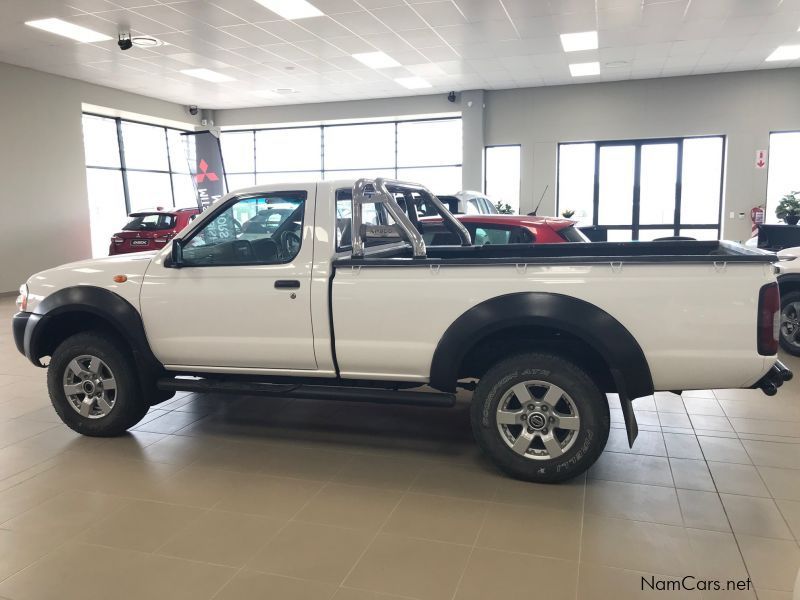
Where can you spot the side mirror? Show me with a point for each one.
(176, 258)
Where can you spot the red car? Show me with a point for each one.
(150, 229)
(504, 229)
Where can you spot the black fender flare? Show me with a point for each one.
(105, 304)
(789, 279)
(583, 320)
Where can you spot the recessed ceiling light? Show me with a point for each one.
(585, 40)
(69, 30)
(207, 75)
(615, 64)
(413, 83)
(376, 60)
(145, 41)
(584, 69)
(292, 9)
(285, 90)
(785, 53)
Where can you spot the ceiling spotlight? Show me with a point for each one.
(146, 41)
(575, 42)
(584, 69)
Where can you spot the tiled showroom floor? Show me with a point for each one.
(230, 498)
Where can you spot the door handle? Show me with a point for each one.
(287, 284)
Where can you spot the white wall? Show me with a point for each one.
(744, 106)
(44, 213)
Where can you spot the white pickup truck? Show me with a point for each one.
(327, 290)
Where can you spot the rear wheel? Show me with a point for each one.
(93, 386)
(790, 323)
(540, 417)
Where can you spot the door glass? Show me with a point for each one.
(701, 181)
(265, 229)
(616, 185)
(659, 174)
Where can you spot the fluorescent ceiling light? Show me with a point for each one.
(207, 75)
(292, 9)
(376, 60)
(265, 93)
(584, 69)
(413, 83)
(785, 53)
(69, 30)
(573, 42)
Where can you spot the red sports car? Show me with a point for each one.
(504, 229)
(150, 229)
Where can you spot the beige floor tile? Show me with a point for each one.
(674, 419)
(790, 509)
(722, 449)
(140, 525)
(276, 497)
(66, 515)
(441, 518)
(250, 585)
(302, 463)
(773, 454)
(353, 506)
(222, 538)
(87, 572)
(597, 582)
(312, 551)
(697, 394)
(682, 446)
(782, 483)
(564, 496)
(635, 501)
(544, 532)
(716, 555)
(710, 423)
(667, 402)
(755, 516)
(636, 546)
(379, 471)
(647, 442)
(774, 595)
(772, 563)
(691, 474)
(703, 510)
(19, 550)
(24, 496)
(702, 406)
(632, 468)
(352, 594)
(766, 426)
(415, 568)
(495, 574)
(460, 482)
(731, 478)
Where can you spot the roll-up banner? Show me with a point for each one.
(204, 153)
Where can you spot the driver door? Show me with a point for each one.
(241, 298)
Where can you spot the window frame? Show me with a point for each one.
(330, 174)
(123, 169)
(635, 227)
(230, 202)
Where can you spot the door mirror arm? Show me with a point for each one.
(176, 255)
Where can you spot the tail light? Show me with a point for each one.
(116, 240)
(769, 319)
(22, 299)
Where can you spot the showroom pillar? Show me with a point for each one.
(472, 109)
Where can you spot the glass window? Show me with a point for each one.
(238, 152)
(784, 170)
(428, 143)
(701, 180)
(183, 191)
(145, 147)
(150, 222)
(106, 207)
(503, 175)
(359, 173)
(439, 180)
(648, 235)
(294, 177)
(657, 184)
(237, 181)
(178, 151)
(359, 146)
(701, 234)
(576, 181)
(255, 230)
(149, 190)
(616, 184)
(289, 149)
(100, 142)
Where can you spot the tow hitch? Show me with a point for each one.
(774, 379)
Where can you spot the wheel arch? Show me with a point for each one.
(789, 282)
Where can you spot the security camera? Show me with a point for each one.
(124, 42)
(193, 110)
(451, 96)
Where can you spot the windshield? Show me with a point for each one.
(150, 222)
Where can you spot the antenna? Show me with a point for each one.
(536, 210)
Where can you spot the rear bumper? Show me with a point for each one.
(773, 379)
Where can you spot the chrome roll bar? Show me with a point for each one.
(381, 191)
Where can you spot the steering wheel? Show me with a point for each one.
(290, 243)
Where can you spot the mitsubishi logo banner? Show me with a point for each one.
(204, 154)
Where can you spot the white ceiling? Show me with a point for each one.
(454, 44)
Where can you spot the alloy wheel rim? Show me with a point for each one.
(790, 323)
(538, 420)
(90, 386)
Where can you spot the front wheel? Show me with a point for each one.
(790, 323)
(93, 385)
(540, 417)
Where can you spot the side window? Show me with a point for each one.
(267, 229)
(472, 207)
(487, 206)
